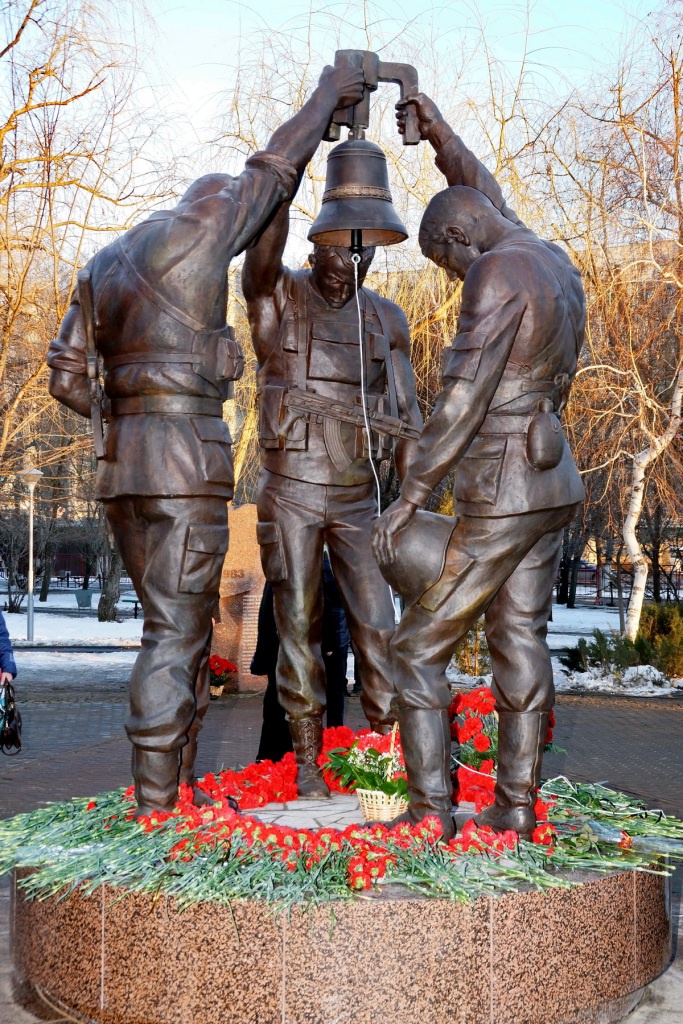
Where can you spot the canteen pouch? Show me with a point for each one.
(10, 721)
(544, 439)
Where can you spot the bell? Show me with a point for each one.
(357, 197)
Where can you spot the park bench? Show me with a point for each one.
(135, 600)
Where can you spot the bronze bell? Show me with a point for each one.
(357, 197)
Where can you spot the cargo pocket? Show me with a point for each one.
(463, 358)
(272, 553)
(216, 448)
(477, 478)
(205, 549)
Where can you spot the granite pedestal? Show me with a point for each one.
(578, 956)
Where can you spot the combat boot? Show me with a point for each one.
(521, 739)
(188, 757)
(307, 739)
(426, 743)
(155, 773)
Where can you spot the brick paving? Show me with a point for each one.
(75, 746)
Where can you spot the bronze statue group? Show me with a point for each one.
(326, 347)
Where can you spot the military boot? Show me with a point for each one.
(521, 739)
(187, 776)
(155, 774)
(307, 739)
(426, 743)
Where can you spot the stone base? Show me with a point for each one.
(580, 956)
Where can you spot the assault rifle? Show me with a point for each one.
(302, 404)
(85, 297)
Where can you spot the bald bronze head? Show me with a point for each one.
(459, 225)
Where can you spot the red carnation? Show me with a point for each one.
(543, 834)
(482, 742)
(469, 728)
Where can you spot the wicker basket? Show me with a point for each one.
(378, 806)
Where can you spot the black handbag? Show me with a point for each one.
(10, 721)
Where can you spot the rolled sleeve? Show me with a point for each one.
(276, 165)
(68, 350)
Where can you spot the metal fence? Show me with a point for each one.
(598, 585)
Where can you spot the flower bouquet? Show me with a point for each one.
(220, 670)
(474, 724)
(374, 769)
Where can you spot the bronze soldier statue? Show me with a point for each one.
(150, 312)
(316, 484)
(505, 381)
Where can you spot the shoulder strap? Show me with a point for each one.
(301, 316)
(391, 377)
(150, 293)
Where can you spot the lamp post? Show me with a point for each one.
(30, 477)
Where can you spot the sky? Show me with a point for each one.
(193, 49)
(195, 43)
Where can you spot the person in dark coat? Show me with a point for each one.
(335, 646)
(8, 667)
(276, 739)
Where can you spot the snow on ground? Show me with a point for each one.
(583, 620)
(91, 670)
(567, 627)
(639, 681)
(52, 630)
(55, 630)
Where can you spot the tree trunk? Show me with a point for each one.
(573, 578)
(111, 587)
(620, 592)
(47, 574)
(641, 462)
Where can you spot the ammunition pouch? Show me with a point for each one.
(381, 443)
(219, 356)
(271, 409)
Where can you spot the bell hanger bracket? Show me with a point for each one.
(357, 118)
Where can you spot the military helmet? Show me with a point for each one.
(420, 555)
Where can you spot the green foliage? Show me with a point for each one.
(472, 653)
(659, 642)
(368, 771)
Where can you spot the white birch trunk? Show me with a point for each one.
(641, 462)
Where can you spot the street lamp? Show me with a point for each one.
(30, 477)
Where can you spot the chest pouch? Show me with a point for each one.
(544, 439)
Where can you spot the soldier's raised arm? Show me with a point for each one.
(261, 273)
(263, 261)
(458, 163)
(233, 214)
(297, 139)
